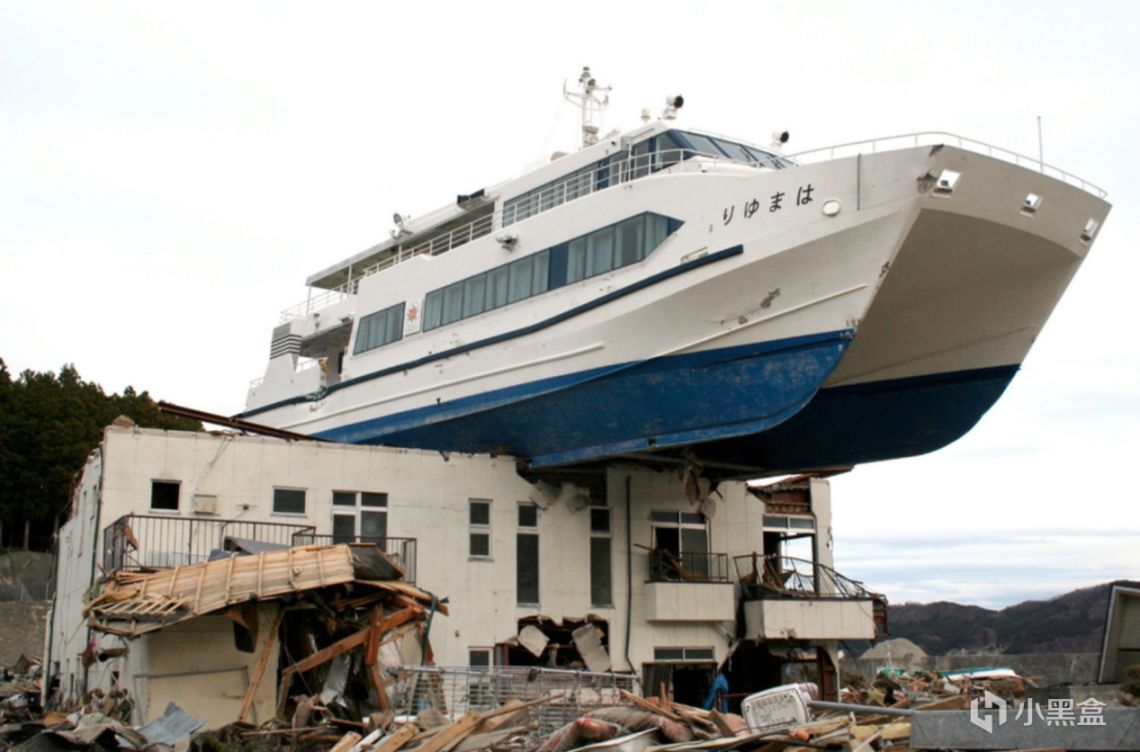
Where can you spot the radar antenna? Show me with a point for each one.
(587, 100)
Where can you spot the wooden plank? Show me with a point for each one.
(509, 708)
(345, 742)
(259, 667)
(490, 724)
(721, 724)
(651, 707)
(452, 734)
(332, 651)
(396, 739)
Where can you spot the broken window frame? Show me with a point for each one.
(165, 483)
(601, 583)
(289, 490)
(530, 568)
(481, 529)
(362, 503)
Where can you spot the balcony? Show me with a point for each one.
(401, 550)
(689, 587)
(789, 599)
(137, 542)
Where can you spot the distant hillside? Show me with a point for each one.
(1069, 623)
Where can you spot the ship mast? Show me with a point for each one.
(587, 100)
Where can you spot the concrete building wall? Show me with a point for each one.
(428, 498)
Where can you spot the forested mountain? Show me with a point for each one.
(48, 424)
(1069, 623)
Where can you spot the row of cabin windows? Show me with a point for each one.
(598, 252)
(652, 154)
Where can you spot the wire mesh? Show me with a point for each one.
(455, 690)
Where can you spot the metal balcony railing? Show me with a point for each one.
(670, 566)
(787, 577)
(402, 550)
(140, 542)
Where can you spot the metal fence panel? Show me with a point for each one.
(455, 690)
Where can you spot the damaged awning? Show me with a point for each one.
(135, 603)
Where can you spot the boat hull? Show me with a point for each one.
(666, 402)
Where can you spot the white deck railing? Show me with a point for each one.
(434, 246)
(932, 138)
(583, 183)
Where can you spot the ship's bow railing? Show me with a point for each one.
(934, 138)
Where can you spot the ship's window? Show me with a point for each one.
(734, 151)
(766, 159)
(379, 328)
(639, 165)
(522, 274)
(668, 152)
(600, 257)
(433, 309)
(541, 277)
(453, 303)
(703, 144)
(497, 287)
(576, 263)
(630, 241)
(474, 294)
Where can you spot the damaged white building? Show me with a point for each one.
(615, 568)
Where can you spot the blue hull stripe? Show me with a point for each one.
(513, 334)
(669, 401)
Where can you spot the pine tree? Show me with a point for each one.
(48, 426)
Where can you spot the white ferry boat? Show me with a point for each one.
(669, 292)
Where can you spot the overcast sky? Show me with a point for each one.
(169, 175)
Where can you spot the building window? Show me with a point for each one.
(479, 657)
(380, 328)
(683, 654)
(480, 528)
(601, 562)
(527, 559)
(289, 500)
(164, 495)
(360, 516)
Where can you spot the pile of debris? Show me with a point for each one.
(893, 688)
(515, 726)
(343, 612)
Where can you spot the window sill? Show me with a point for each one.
(480, 558)
(293, 515)
(166, 512)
